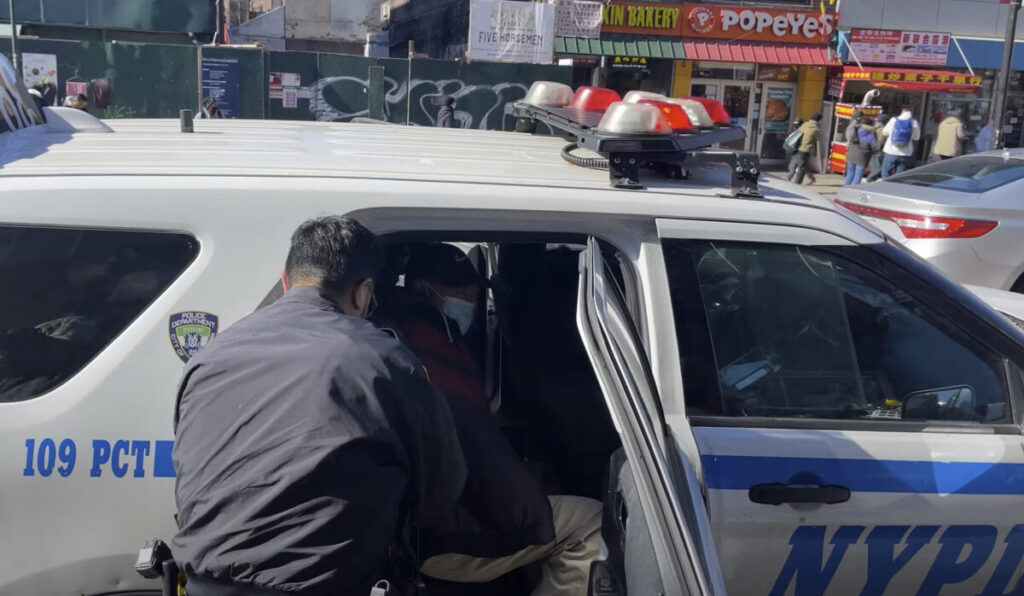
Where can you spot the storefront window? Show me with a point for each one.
(723, 70)
(625, 74)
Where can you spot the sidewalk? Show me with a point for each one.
(825, 185)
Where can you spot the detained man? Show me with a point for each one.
(505, 520)
(306, 438)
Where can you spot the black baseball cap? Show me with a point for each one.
(443, 263)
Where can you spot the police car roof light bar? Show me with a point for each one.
(634, 136)
(715, 110)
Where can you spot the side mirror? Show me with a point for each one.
(947, 403)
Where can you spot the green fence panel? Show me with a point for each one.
(300, 67)
(342, 90)
(252, 77)
(136, 80)
(483, 91)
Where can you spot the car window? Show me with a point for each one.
(793, 332)
(973, 173)
(67, 293)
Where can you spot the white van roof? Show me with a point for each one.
(320, 149)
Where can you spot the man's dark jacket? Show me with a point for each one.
(302, 435)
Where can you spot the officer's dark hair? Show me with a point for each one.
(335, 253)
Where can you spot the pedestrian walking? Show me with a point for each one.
(875, 165)
(983, 142)
(949, 141)
(901, 133)
(791, 149)
(808, 147)
(864, 144)
(211, 108)
(446, 115)
(308, 442)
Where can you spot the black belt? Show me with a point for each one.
(204, 586)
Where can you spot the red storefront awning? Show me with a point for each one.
(915, 79)
(758, 52)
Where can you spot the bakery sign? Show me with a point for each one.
(646, 18)
(757, 24)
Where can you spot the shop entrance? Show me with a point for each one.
(738, 99)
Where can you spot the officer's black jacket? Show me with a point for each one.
(301, 433)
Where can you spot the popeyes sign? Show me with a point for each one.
(756, 24)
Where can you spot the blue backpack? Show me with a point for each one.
(866, 137)
(902, 132)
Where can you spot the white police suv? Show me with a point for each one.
(769, 396)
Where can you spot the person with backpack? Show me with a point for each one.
(902, 131)
(862, 145)
(875, 163)
(808, 146)
(791, 144)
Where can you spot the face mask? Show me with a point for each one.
(460, 311)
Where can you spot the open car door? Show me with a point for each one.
(662, 490)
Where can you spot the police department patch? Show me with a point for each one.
(190, 331)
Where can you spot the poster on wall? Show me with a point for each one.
(502, 31)
(778, 108)
(911, 48)
(578, 18)
(40, 71)
(220, 81)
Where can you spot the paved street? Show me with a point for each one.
(826, 184)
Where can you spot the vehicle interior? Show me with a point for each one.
(541, 388)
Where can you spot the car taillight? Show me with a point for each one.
(916, 226)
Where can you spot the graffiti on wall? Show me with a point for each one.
(476, 106)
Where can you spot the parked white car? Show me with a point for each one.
(965, 215)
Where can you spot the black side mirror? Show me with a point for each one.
(946, 403)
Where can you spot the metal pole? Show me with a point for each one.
(14, 40)
(1003, 82)
(408, 83)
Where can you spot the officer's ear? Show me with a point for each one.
(362, 298)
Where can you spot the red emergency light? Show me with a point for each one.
(715, 109)
(673, 113)
(593, 99)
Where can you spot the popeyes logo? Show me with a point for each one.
(757, 24)
(702, 19)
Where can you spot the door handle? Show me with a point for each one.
(778, 493)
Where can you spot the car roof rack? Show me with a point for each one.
(627, 155)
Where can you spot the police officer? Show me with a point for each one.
(305, 436)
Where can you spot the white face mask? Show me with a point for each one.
(460, 311)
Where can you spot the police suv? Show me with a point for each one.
(769, 396)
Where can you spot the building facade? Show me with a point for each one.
(939, 57)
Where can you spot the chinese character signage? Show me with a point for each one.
(641, 17)
(949, 80)
(757, 24)
(502, 31)
(912, 48)
(628, 62)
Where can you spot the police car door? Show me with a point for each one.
(855, 421)
(668, 491)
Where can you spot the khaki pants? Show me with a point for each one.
(567, 568)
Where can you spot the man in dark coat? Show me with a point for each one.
(504, 520)
(305, 437)
(446, 115)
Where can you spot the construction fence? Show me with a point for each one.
(128, 80)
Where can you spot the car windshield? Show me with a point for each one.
(972, 173)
